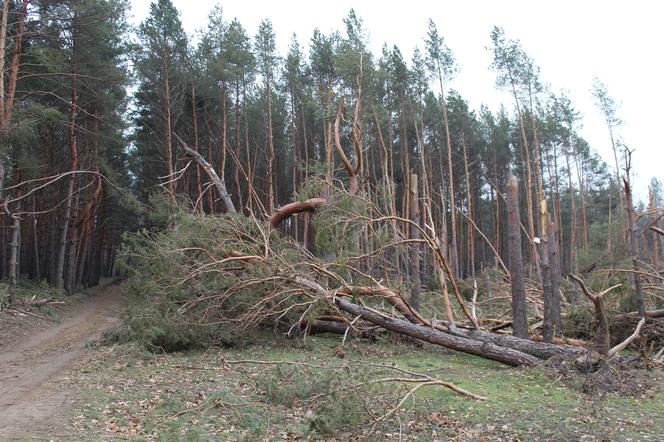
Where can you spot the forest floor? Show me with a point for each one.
(55, 385)
(38, 355)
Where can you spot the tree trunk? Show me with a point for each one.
(270, 143)
(541, 350)
(469, 199)
(447, 340)
(414, 251)
(551, 284)
(571, 251)
(15, 246)
(454, 257)
(519, 306)
(582, 188)
(70, 268)
(633, 247)
(168, 142)
(653, 235)
(73, 149)
(547, 284)
(554, 263)
(194, 117)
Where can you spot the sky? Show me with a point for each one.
(620, 42)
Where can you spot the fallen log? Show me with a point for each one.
(562, 340)
(653, 314)
(316, 326)
(42, 302)
(541, 350)
(486, 350)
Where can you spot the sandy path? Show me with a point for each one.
(30, 402)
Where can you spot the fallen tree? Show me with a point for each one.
(471, 346)
(231, 274)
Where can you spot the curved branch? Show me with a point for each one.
(291, 209)
(618, 348)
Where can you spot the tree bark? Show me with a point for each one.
(547, 284)
(15, 246)
(554, 263)
(541, 350)
(415, 281)
(73, 149)
(519, 305)
(633, 247)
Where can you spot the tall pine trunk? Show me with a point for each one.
(519, 305)
(415, 248)
(73, 150)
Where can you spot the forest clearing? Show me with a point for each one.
(205, 237)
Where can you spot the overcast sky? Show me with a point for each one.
(571, 41)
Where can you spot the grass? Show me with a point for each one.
(135, 395)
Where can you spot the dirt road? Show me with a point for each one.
(30, 401)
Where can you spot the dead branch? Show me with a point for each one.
(653, 314)
(337, 140)
(603, 340)
(15, 311)
(211, 173)
(42, 302)
(618, 348)
(657, 230)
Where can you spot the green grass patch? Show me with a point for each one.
(137, 395)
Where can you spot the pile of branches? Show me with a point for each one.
(224, 277)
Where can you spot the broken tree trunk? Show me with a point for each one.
(633, 247)
(551, 284)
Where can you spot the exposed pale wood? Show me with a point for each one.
(620, 347)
